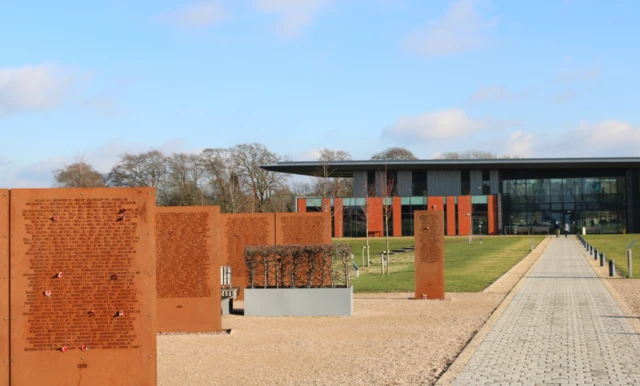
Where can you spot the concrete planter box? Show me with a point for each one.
(298, 301)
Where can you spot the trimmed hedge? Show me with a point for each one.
(298, 266)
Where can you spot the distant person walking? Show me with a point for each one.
(566, 230)
(557, 228)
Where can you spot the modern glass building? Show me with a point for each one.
(496, 196)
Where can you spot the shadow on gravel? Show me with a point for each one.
(620, 317)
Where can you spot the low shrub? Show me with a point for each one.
(298, 266)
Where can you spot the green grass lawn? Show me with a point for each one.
(615, 248)
(468, 268)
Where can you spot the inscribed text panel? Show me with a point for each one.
(83, 286)
(188, 269)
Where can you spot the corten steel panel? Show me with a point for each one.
(338, 225)
(303, 228)
(188, 269)
(302, 205)
(492, 212)
(83, 287)
(429, 254)
(464, 207)
(451, 216)
(4, 287)
(376, 220)
(397, 217)
(238, 231)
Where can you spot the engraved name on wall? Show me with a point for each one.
(183, 257)
(81, 281)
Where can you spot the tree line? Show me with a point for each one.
(228, 177)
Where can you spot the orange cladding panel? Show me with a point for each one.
(437, 201)
(338, 230)
(376, 222)
(451, 216)
(302, 205)
(397, 217)
(492, 212)
(464, 207)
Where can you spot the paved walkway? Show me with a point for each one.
(562, 327)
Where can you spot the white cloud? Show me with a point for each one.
(496, 93)
(462, 29)
(35, 87)
(572, 72)
(521, 143)
(294, 14)
(197, 15)
(442, 125)
(574, 79)
(39, 174)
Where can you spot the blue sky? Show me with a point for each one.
(532, 78)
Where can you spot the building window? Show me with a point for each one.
(391, 187)
(419, 183)
(371, 183)
(465, 182)
(486, 182)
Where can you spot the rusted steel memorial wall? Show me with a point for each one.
(4, 287)
(188, 269)
(239, 231)
(83, 286)
(429, 254)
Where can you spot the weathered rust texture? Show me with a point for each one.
(188, 269)
(4, 287)
(239, 231)
(83, 287)
(429, 254)
(305, 229)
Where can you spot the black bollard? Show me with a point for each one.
(612, 268)
(602, 259)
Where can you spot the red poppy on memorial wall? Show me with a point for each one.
(84, 348)
(120, 313)
(47, 293)
(64, 348)
(59, 275)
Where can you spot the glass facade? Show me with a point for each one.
(597, 203)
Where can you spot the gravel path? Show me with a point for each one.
(390, 340)
(562, 327)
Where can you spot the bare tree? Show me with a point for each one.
(144, 169)
(473, 154)
(365, 216)
(394, 154)
(224, 180)
(326, 181)
(78, 175)
(184, 172)
(261, 183)
(388, 190)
